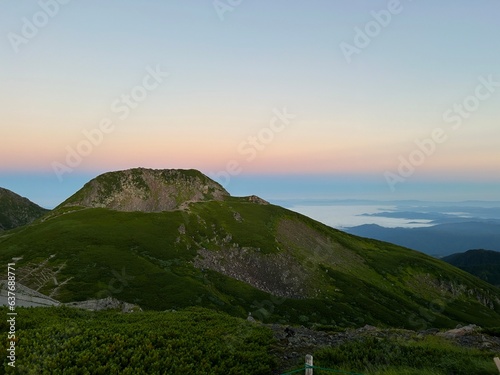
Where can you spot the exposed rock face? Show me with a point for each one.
(451, 291)
(16, 211)
(461, 331)
(105, 304)
(147, 190)
(256, 199)
(278, 274)
(25, 297)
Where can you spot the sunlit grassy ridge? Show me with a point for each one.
(237, 255)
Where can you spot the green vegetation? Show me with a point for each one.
(195, 341)
(147, 259)
(62, 340)
(215, 261)
(16, 211)
(484, 264)
(431, 355)
(235, 255)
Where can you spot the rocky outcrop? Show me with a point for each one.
(108, 303)
(460, 331)
(257, 200)
(456, 290)
(25, 297)
(293, 343)
(277, 274)
(147, 190)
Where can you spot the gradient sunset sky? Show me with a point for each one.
(358, 104)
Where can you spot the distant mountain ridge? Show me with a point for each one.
(484, 264)
(16, 211)
(437, 240)
(170, 239)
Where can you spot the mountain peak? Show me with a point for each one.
(147, 190)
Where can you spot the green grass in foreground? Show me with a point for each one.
(199, 341)
(429, 356)
(194, 341)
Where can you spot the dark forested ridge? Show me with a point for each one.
(16, 211)
(484, 264)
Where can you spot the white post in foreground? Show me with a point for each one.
(309, 362)
(496, 359)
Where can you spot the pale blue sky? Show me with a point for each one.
(353, 120)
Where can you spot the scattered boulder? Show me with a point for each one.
(250, 318)
(460, 331)
(430, 331)
(108, 303)
(258, 200)
(368, 328)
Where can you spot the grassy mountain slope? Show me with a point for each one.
(243, 255)
(484, 264)
(16, 211)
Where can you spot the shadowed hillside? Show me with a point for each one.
(16, 211)
(202, 247)
(484, 264)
